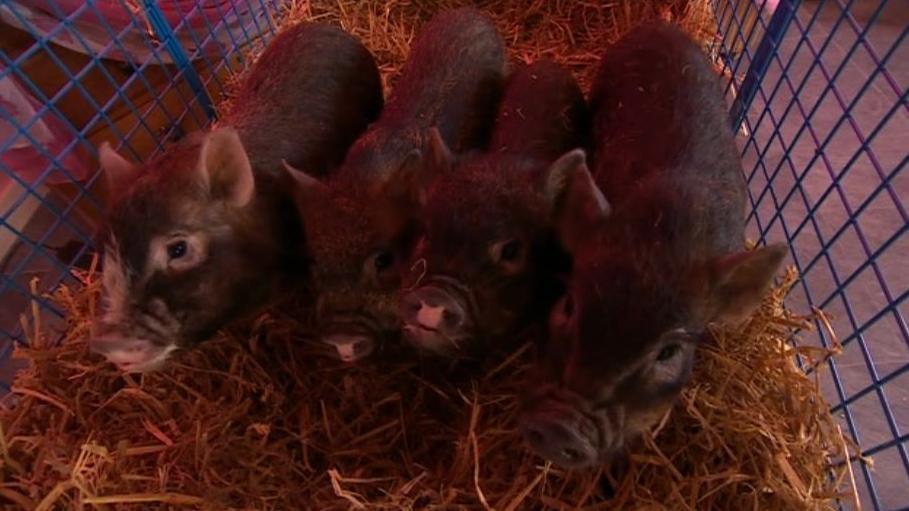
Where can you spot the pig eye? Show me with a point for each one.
(510, 251)
(383, 260)
(560, 318)
(668, 352)
(176, 249)
(568, 306)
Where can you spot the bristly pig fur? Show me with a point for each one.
(219, 200)
(488, 261)
(649, 278)
(360, 222)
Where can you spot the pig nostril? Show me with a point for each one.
(571, 454)
(535, 437)
(451, 318)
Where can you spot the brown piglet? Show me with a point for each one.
(360, 222)
(649, 277)
(206, 232)
(488, 262)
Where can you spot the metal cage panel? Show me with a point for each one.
(820, 92)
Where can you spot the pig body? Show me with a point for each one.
(542, 114)
(207, 232)
(359, 223)
(452, 81)
(647, 279)
(488, 262)
(311, 93)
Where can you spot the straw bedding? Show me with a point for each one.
(255, 420)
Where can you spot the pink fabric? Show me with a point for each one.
(42, 16)
(48, 132)
(94, 22)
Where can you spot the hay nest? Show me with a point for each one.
(571, 32)
(260, 422)
(255, 420)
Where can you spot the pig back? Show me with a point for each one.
(305, 100)
(452, 80)
(664, 154)
(542, 114)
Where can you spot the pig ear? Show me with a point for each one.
(739, 281)
(118, 173)
(225, 168)
(406, 185)
(305, 183)
(401, 198)
(576, 203)
(440, 157)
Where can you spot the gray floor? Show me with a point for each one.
(803, 161)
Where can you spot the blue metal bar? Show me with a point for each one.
(787, 69)
(777, 27)
(777, 215)
(163, 31)
(199, 53)
(897, 441)
(863, 41)
(758, 23)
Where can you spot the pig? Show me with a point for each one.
(207, 231)
(361, 222)
(488, 261)
(657, 244)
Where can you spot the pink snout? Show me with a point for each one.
(129, 354)
(560, 433)
(351, 347)
(434, 320)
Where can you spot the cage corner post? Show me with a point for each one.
(165, 33)
(775, 31)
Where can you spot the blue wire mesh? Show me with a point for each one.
(820, 91)
(137, 74)
(819, 87)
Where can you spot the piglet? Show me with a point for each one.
(668, 261)
(488, 262)
(206, 232)
(361, 221)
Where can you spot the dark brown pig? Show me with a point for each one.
(647, 280)
(488, 261)
(207, 231)
(360, 222)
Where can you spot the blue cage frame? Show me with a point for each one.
(823, 172)
(795, 60)
(182, 52)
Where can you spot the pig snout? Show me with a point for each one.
(350, 347)
(345, 327)
(561, 434)
(434, 320)
(128, 353)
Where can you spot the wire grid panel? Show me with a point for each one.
(820, 90)
(74, 74)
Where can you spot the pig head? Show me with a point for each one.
(193, 240)
(487, 262)
(358, 232)
(622, 340)
(648, 279)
